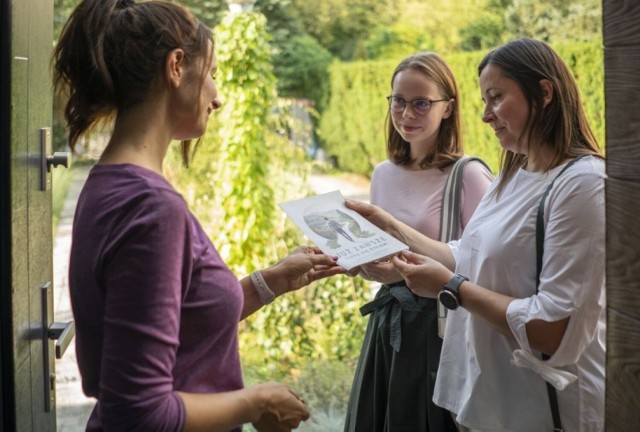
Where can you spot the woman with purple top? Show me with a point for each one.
(156, 308)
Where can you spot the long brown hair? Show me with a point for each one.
(561, 124)
(449, 147)
(111, 52)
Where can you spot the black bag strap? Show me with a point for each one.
(553, 396)
(540, 221)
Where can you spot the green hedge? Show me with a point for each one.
(352, 125)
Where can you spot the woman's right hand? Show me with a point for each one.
(282, 409)
(383, 220)
(374, 214)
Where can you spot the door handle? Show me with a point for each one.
(62, 333)
(48, 160)
(59, 158)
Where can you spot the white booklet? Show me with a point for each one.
(341, 232)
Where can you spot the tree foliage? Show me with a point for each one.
(281, 23)
(553, 20)
(210, 12)
(61, 11)
(486, 31)
(302, 69)
(395, 42)
(341, 26)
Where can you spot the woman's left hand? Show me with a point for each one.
(423, 275)
(305, 264)
(381, 271)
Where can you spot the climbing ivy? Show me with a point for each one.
(246, 163)
(248, 84)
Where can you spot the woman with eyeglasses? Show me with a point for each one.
(524, 348)
(393, 385)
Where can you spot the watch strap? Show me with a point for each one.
(453, 286)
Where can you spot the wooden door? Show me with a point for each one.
(26, 30)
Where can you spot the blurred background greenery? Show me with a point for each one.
(303, 87)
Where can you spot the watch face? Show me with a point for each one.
(448, 299)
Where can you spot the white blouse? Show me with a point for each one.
(494, 383)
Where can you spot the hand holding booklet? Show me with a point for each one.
(341, 232)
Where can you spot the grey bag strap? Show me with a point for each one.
(451, 214)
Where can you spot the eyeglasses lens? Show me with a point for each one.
(419, 106)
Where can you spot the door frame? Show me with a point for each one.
(7, 403)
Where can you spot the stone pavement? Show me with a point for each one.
(73, 407)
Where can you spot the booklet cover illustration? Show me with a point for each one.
(340, 231)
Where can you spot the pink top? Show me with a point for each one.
(415, 197)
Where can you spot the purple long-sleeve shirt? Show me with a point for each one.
(156, 308)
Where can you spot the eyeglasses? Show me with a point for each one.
(419, 106)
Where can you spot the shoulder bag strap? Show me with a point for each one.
(451, 215)
(540, 222)
(450, 212)
(553, 397)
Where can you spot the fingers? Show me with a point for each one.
(305, 249)
(399, 264)
(405, 260)
(412, 257)
(313, 252)
(361, 207)
(284, 403)
(378, 271)
(314, 249)
(305, 258)
(299, 250)
(327, 272)
(354, 271)
(297, 410)
(352, 204)
(322, 259)
(269, 422)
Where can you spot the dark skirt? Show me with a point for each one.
(394, 380)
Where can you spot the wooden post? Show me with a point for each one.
(621, 35)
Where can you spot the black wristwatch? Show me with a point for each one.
(449, 296)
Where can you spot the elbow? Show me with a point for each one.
(164, 416)
(548, 347)
(545, 336)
